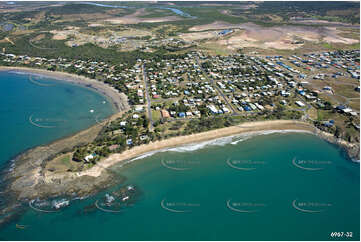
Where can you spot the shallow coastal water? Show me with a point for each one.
(288, 186)
(36, 110)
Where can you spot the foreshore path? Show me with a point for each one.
(148, 97)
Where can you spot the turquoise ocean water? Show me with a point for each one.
(275, 186)
(36, 110)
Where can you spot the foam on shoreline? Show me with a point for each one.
(227, 140)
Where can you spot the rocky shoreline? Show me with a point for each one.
(24, 179)
(29, 180)
(352, 149)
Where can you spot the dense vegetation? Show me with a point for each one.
(116, 137)
(338, 11)
(56, 48)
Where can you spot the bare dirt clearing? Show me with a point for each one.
(214, 25)
(96, 25)
(198, 35)
(103, 38)
(278, 37)
(325, 22)
(6, 39)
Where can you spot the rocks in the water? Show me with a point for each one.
(116, 200)
(109, 199)
(57, 204)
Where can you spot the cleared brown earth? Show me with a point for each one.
(214, 25)
(285, 37)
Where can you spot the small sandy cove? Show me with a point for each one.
(247, 127)
(119, 100)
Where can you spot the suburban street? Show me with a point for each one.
(217, 88)
(149, 110)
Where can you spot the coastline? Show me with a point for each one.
(248, 127)
(118, 100)
(30, 179)
(23, 164)
(33, 180)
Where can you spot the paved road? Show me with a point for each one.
(161, 100)
(148, 98)
(217, 88)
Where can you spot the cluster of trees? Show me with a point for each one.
(346, 131)
(281, 113)
(208, 123)
(57, 48)
(176, 125)
(310, 8)
(106, 138)
(179, 108)
(80, 154)
(334, 11)
(207, 65)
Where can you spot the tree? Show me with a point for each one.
(328, 105)
(338, 132)
(79, 154)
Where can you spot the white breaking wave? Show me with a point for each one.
(248, 135)
(189, 147)
(29, 73)
(197, 146)
(233, 140)
(12, 166)
(240, 139)
(147, 155)
(39, 75)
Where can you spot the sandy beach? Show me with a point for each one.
(247, 127)
(119, 100)
(35, 181)
(32, 180)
